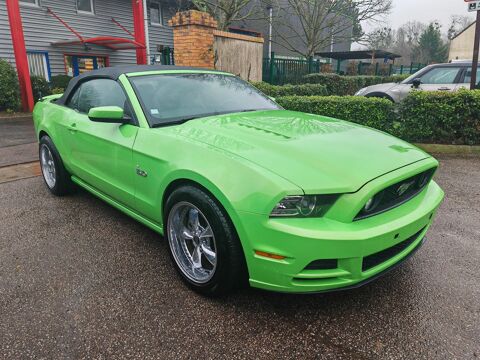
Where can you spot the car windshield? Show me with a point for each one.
(176, 98)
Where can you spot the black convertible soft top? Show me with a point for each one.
(114, 73)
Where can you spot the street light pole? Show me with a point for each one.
(270, 20)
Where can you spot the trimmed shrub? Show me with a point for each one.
(9, 90)
(289, 90)
(373, 112)
(348, 85)
(394, 78)
(60, 81)
(424, 116)
(441, 117)
(40, 87)
(342, 85)
(57, 91)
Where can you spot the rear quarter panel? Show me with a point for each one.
(49, 118)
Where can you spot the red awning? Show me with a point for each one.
(110, 42)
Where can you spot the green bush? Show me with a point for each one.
(40, 87)
(60, 81)
(441, 117)
(423, 117)
(9, 90)
(288, 90)
(348, 85)
(373, 112)
(394, 78)
(58, 91)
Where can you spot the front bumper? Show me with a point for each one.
(362, 249)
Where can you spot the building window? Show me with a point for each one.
(85, 6)
(79, 64)
(39, 64)
(156, 13)
(30, 2)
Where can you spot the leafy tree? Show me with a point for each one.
(431, 48)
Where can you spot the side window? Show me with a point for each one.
(73, 102)
(101, 92)
(468, 76)
(445, 75)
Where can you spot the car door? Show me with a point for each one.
(442, 78)
(467, 77)
(101, 153)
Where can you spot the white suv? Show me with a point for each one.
(438, 77)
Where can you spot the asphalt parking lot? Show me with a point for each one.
(78, 279)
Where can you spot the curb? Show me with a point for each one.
(450, 149)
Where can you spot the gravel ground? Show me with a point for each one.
(79, 279)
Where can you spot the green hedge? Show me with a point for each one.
(60, 81)
(374, 112)
(9, 90)
(424, 117)
(348, 85)
(40, 87)
(441, 117)
(288, 90)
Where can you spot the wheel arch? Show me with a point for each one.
(217, 195)
(379, 94)
(42, 133)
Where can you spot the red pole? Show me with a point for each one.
(20, 51)
(139, 29)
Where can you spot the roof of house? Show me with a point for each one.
(114, 73)
(359, 54)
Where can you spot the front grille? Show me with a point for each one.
(373, 260)
(397, 194)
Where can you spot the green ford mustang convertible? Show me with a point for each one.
(241, 189)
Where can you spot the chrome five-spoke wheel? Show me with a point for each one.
(192, 242)
(48, 166)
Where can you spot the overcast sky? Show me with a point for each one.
(425, 11)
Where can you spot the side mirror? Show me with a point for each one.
(416, 83)
(272, 98)
(107, 114)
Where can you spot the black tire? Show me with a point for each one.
(62, 184)
(230, 272)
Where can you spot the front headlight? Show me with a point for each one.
(361, 92)
(303, 206)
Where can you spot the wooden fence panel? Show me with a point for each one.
(239, 54)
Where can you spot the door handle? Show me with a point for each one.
(444, 89)
(73, 128)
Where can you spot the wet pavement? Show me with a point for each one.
(78, 279)
(18, 144)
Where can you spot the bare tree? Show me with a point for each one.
(228, 11)
(379, 39)
(457, 24)
(308, 26)
(405, 39)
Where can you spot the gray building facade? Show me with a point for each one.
(44, 33)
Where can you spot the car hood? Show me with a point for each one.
(316, 153)
(381, 87)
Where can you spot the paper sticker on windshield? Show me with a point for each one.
(154, 111)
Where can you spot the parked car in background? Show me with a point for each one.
(438, 77)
